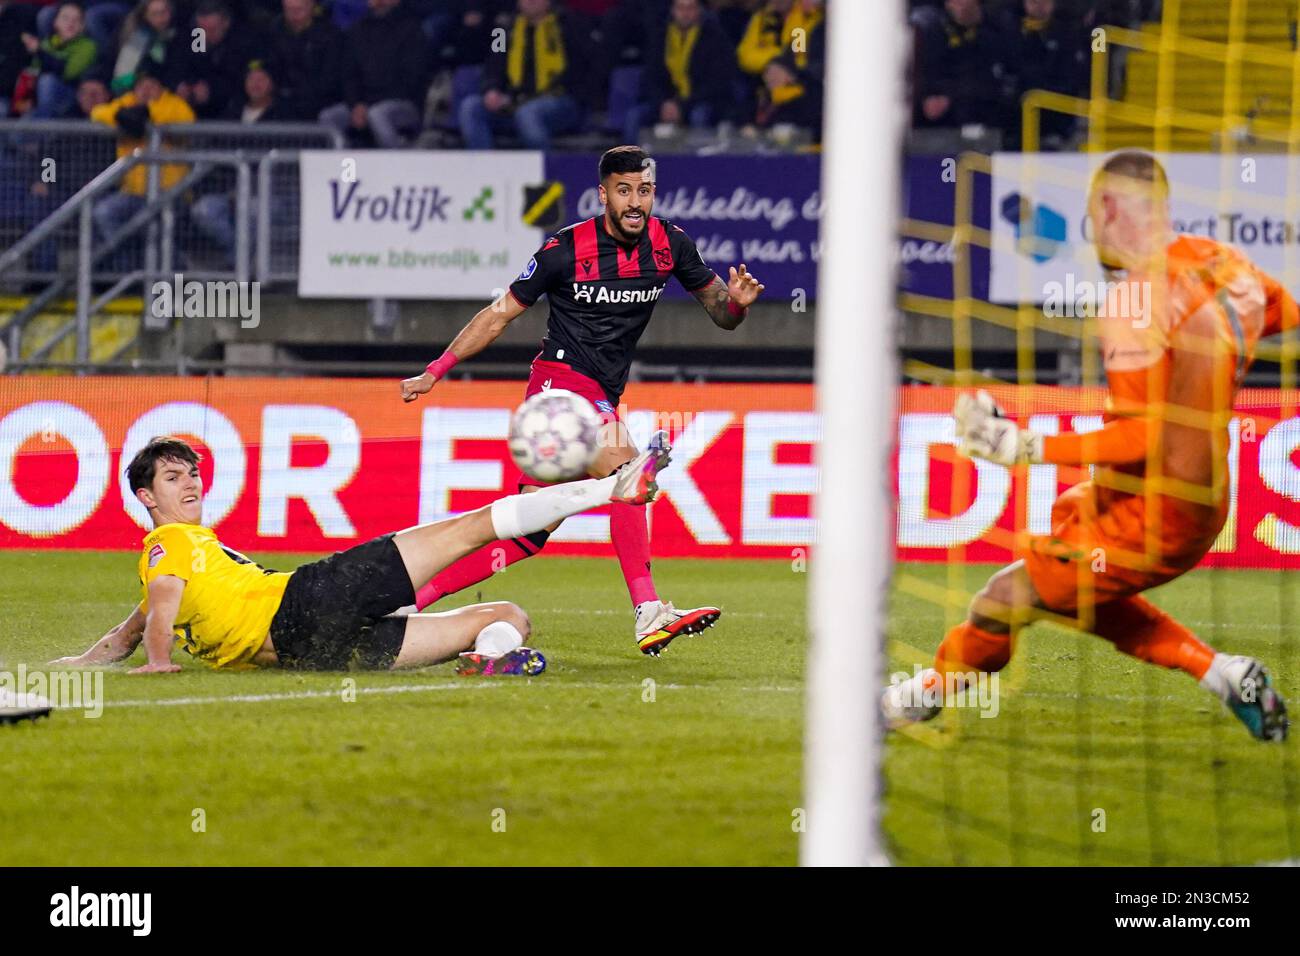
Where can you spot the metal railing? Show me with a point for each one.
(64, 169)
(46, 162)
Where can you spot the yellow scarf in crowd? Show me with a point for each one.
(548, 52)
(784, 94)
(677, 57)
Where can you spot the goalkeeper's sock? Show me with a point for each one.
(479, 566)
(1140, 629)
(964, 651)
(1216, 678)
(968, 648)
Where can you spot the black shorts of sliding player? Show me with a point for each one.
(333, 613)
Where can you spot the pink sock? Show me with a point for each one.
(627, 526)
(479, 566)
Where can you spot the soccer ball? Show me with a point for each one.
(554, 435)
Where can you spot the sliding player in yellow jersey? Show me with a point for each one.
(229, 612)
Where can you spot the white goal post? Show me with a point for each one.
(856, 374)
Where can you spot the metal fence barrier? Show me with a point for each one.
(44, 163)
(75, 217)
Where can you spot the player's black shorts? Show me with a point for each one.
(332, 615)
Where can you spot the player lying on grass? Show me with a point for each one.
(602, 278)
(333, 613)
(1160, 492)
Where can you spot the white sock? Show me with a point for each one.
(923, 689)
(925, 682)
(497, 639)
(518, 515)
(1215, 679)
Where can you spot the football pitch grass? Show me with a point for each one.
(612, 758)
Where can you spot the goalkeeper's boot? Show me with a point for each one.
(1253, 700)
(636, 483)
(521, 662)
(658, 623)
(913, 701)
(16, 707)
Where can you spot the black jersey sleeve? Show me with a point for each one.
(545, 268)
(689, 268)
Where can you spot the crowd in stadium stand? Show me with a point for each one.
(393, 73)
(976, 59)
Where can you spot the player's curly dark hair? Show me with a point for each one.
(139, 474)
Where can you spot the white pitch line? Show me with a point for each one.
(405, 689)
(291, 695)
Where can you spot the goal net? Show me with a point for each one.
(1075, 753)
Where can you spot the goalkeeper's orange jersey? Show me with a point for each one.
(228, 602)
(1176, 342)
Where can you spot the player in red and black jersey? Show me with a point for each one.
(602, 278)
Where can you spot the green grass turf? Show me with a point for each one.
(587, 772)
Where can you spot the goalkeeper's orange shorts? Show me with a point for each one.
(1094, 555)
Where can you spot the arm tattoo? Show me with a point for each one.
(714, 297)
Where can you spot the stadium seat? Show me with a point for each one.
(624, 93)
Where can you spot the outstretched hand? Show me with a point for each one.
(743, 287)
(984, 431)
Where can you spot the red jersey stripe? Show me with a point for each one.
(659, 247)
(586, 259)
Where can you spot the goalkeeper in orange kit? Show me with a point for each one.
(1160, 492)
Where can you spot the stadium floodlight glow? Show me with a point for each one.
(856, 381)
